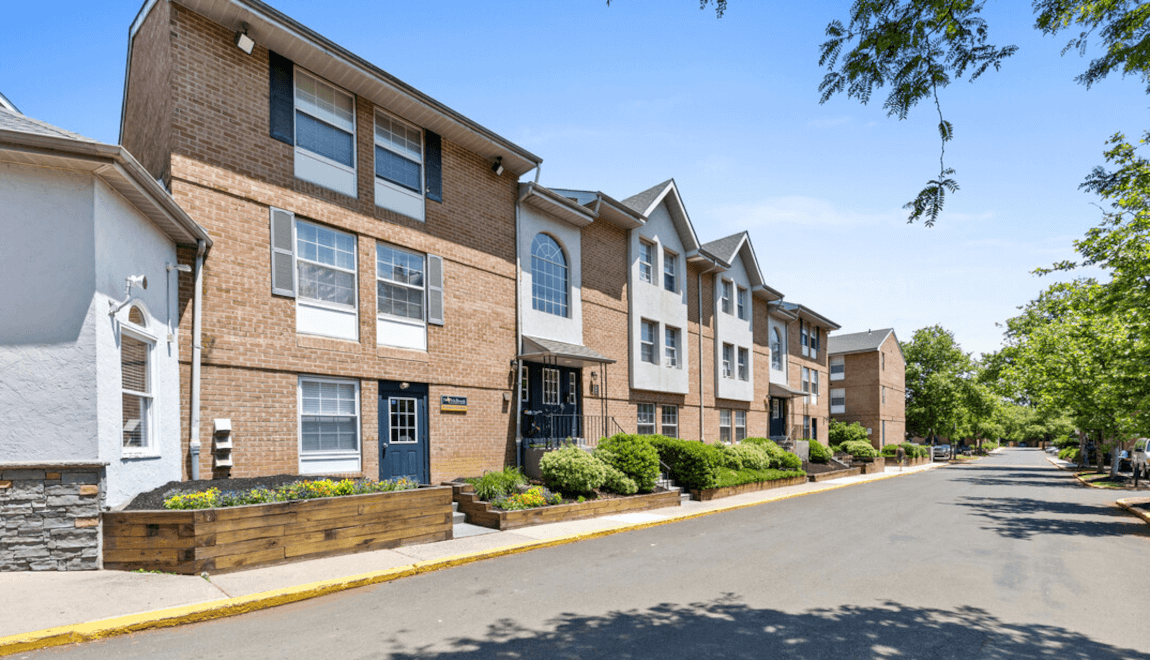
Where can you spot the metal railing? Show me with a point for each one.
(551, 430)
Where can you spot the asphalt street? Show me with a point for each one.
(1005, 558)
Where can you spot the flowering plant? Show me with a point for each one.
(300, 490)
(536, 496)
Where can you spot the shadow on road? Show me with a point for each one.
(1023, 518)
(727, 629)
(1016, 476)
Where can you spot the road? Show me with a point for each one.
(1006, 558)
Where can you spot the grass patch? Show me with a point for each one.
(729, 477)
(1104, 481)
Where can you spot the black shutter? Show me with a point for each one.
(433, 162)
(281, 118)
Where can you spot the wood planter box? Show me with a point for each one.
(709, 494)
(239, 537)
(827, 476)
(483, 514)
(870, 465)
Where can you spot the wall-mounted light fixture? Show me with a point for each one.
(498, 166)
(404, 386)
(243, 41)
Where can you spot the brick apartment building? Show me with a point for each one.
(359, 302)
(804, 404)
(868, 384)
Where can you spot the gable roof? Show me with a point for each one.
(804, 312)
(28, 141)
(859, 342)
(668, 193)
(645, 201)
(276, 31)
(725, 249)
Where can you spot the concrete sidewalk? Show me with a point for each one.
(47, 609)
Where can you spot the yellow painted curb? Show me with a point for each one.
(1128, 502)
(226, 607)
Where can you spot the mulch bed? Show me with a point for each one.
(820, 468)
(154, 499)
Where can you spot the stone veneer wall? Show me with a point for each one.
(50, 516)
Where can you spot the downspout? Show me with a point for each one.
(518, 394)
(197, 349)
(702, 382)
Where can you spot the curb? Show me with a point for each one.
(227, 607)
(1128, 504)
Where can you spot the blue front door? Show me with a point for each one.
(403, 446)
(778, 417)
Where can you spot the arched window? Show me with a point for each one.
(136, 387)
(548, 276)
(776, 349)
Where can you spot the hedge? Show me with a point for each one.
(693, 465)
(634, 456)
(819, 453)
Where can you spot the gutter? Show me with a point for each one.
(518, 393)
(702, 382)
(197, 354)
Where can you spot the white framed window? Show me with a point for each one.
(648, 341)
(776, 409)
(400, 287)
(744, 366)
(728, 361)
(804, 339)
(646, 261)
(671, 346)
(325, 263)
(324, 134)
(727, 287)
(670, 421)
(838, 368)
(548, 276)
(550, 387)
(670, 268)
(137, 382)
(776, 349)
(741, 302)
(398, 165)
(403, 422)
(815, 383)
(524, 383)
(572, 388)
(328, 425)
(740, 425)
(838, 401)
(646, 418)
(814, 342)
(806, 379)
(724, 425)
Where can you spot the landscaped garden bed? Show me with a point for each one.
(708, 494)
(829, 472)
(872, 465)
(227, 538)
(720, 470)
(482, 513)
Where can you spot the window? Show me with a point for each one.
(741, 300)
(882, 361)
(329, 425)
(403, 424)
(838, 368)
(550, 387)
(814, 428)
(806, 379)
(726, 297)
(806, 427)
(838, 401)
(399, 284)
(572, 388)
(524, 384)
(724, 425)
(669, 268)
(646, 261)
(324, 134)
(670, 421)
(744, 358)
(883, 392)
(399, 162)
(647, 348)
(548, 276)
(740, 425)
(728, 358)
(646, 412)
(776, 349)
(671, 346)
(814, 342)
(136, 393)
(776, 409)
(803, 339)
(815, 382)
(325, 262)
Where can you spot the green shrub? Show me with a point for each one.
(727, 458)
(859, 449)
(751, 456)
(693, 464)
(1064, 441)
(634, 455)
(728, 477)
(495, 484)
(819, 453)
(780, 458)
(1069, 454)
(618, 482)
(841, 432)
(572, 470)
(531, 498)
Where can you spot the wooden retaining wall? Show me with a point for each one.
(483, 514)
(709, 494)
(234, 538)
(826, 476)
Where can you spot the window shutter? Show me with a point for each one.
(281, 118)
(433, 162)
(283, 252)
(434, 289)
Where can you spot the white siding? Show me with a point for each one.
(653, 302)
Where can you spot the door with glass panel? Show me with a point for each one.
(778, 417)
(403, 445)
(552, 405)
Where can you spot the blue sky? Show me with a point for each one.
(619, 98)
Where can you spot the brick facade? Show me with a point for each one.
(817, 408)
(874, 384)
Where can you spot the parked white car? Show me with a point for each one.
(1140, 457)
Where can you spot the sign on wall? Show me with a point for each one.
(453, 404)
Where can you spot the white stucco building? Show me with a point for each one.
(89, 361)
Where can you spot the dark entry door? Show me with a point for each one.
(778, 416)
(403, 446)
(553, 409)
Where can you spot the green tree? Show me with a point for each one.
(937, 371)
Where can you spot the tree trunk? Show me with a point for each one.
(1082, 450)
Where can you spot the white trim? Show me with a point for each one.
(319, 462)
(151, 446)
